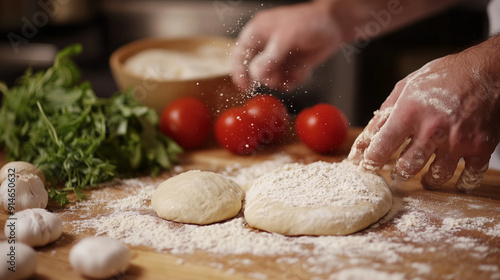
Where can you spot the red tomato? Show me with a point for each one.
(187, 121)
(323, 127)
(271, 117)
(236, 131)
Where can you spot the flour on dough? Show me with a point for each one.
(319, 198)
(197, 197)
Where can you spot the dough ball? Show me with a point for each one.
(99, 257)
(197, 197)
(34, 227)
(317, 199)
(17, 261)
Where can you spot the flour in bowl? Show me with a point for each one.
(164, 65)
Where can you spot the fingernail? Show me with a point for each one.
(369, 166)
(398, 175)
(467, 181)
(437, 175)
(354, 156)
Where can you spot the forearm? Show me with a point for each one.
(377, 17)
(488, 54)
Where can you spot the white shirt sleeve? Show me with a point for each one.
(494, 21)
(494, 16)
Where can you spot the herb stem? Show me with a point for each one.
(52, 130)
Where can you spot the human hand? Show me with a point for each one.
(450, 108)
(280, 47)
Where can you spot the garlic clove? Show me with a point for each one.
(25, 262)
(34, 227)
(113, 257)
(25, 192)
(21, 168)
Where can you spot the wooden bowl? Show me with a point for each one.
(217, 92)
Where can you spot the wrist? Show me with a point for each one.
(336, 15)
(369, 19)
(342, 14)
(484, 62)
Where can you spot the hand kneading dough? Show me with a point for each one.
(197, 197)
(317, 199)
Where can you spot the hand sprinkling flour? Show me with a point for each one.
(450, 107)
(273, 53)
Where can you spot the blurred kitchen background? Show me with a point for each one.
(31, 32)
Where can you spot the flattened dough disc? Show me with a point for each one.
(320, 198)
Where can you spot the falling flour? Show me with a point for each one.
(409, 230)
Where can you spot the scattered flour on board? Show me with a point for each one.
(245, 175)
(129, 218)
(355, 274)
(257, 275)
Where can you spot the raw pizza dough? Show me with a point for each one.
(197, 197)
(317, 199)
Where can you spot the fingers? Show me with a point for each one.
(263, 61)
(249, 44)
(385, 143)
(279, 65)
(473, 172)
(440, 171)
(239, 73)
(267, 66)
(364, 139)
(380, 117)
(412, 160)
(419, 151)
(270, 56)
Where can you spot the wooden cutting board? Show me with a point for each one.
(428, 234)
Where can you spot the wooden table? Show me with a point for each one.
(428, 235)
